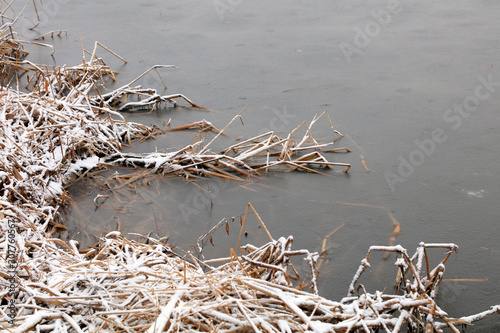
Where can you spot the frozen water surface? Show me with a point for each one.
(415, 86)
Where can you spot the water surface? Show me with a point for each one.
(287, 61)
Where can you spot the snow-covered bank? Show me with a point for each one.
(62, 128)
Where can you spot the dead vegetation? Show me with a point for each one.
(244, 159)
(62, 125)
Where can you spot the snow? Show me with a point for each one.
(34, 319)
(396, 248)
(84, 164)
(54, 189)
(494, 310)
(166, 312)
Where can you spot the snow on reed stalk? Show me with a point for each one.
(61, 127)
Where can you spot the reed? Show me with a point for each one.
(60, 126)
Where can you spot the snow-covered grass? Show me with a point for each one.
(60, 128)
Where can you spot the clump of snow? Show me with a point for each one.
(84, 164)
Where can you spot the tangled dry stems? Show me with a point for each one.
(63, 126)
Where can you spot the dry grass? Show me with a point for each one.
(63, 126)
